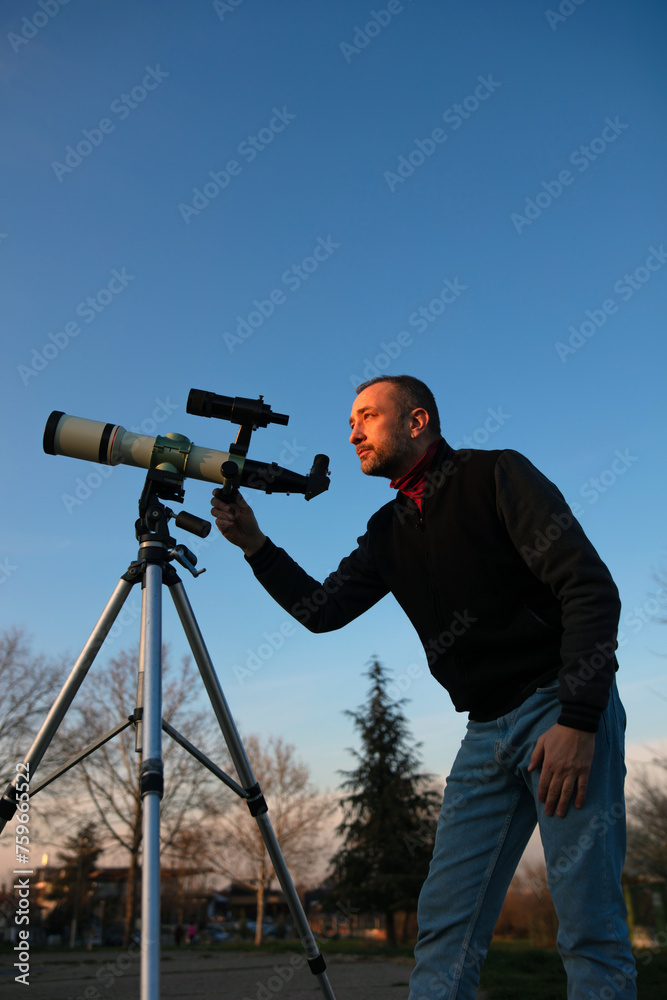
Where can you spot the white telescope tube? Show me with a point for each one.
(111, 444)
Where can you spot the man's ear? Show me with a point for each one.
(419, 420)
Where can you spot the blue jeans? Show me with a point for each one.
(488, 814)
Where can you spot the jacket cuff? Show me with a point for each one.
(583, 717)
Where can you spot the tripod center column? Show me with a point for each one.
(151, 769)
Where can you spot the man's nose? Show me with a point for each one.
(356, 435)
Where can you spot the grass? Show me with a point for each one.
(513, 969)
(359, 947)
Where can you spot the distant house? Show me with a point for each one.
(186, 897)
(646, 899)
(8, 906)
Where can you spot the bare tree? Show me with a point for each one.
(660, 577)
(28, 684)
(111, 775)
(647, 824)
(296, 810)
(528, 911)
(647, 806)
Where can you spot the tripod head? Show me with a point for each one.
(152, 525)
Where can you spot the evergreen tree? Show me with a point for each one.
(71, 885)
(389, 812)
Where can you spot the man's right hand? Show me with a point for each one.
(237, 523)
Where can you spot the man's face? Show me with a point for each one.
(381, 435)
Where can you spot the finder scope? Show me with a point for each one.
(111, 444)
(237, 409)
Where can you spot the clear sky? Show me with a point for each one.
(282, 199)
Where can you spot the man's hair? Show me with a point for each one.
(412, 395)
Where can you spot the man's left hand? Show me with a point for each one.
(566, 756)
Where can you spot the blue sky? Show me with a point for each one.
(484, 186)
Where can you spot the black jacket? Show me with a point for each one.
(498, 578)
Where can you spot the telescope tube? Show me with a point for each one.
(111, 444)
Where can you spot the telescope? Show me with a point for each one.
(169, 459)
(112, 444)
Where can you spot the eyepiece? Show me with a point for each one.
(197, 403)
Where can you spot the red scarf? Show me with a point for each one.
(413, 483)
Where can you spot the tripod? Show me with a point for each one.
(154, 568)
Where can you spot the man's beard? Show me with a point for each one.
(388, 462)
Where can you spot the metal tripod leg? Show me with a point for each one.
(150, 665)
(255, 799)
(64, 700)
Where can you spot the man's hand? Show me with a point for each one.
(566, 756)
(237, 523)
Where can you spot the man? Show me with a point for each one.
(518, 618)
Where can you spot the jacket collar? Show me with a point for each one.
(443, 453)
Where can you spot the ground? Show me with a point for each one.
(208, 973)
